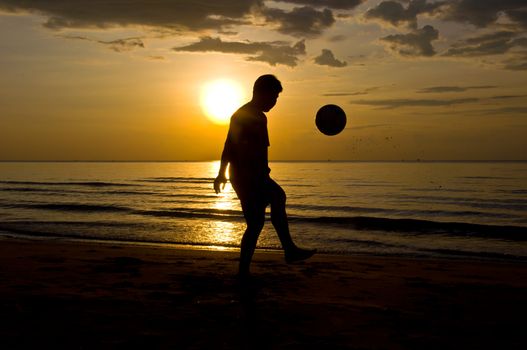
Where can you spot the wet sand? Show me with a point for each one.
(80, 295)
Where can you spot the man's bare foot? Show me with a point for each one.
(299, 254)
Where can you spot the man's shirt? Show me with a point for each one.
(247, 143)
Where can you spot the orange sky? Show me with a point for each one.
(423, 79)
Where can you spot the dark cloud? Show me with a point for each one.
(521, 42)
(327, 58)
(482, 13)
(485, 38)
(397, 103)
(441, 89)
(519, 16)
(508, 110)
(183, 15)
(505, 97)
(415, 43)
(488, 44)
(395, 13)
(334, 4)
(300, 21)
(119, 45)
(173, 14)
(517, 63)
(270, 52)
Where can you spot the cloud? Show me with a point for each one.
(517, 63)
(372, 126)
(395, 13)
(333, 4)
(482, 13)
(508, 110)
(519, 16)
(300, 21)
(156, 58)
(415, 43)
(397, 103)
(487, 44)
(326, 58)
(505, 97)
(337, 38)
(356, 93)
(119, 45)
(404, 102)
(183, 15)
(172, 14)
(510, 14)
(272, 53)
(441, 89)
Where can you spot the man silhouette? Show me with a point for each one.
(246, 151)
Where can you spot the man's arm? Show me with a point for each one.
(227, 155)
(221, 179)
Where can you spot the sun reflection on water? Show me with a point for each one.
(225, 232)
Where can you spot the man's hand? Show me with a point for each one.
(219, 183)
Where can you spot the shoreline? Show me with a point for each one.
(447, 255)
(82, 294)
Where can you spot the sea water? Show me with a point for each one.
(449, 209)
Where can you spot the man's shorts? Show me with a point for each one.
(255, 196)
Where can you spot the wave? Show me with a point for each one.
(178, 179)
(373, 184)
(71, 207)
(203, 213)
(451, 199)
(516, 233)
(437, 189)
(8, 225)
(414, 226)
(68, 191)
(519, 191)
(486, 177)
(37, 229)
(88, 208)
(72, 183)
(465, 253)
(24, 231)
(508, 204)
(383, 223)
(398, 212)
(26, 189)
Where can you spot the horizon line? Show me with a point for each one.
(275, 161)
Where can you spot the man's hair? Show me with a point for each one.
(265, 84)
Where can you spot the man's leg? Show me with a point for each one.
(254, 213)
(277, 199)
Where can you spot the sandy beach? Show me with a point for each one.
(81, 295)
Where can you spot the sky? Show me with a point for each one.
(121, 80)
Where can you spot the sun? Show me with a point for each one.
(220, 99)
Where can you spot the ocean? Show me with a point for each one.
(416, 209)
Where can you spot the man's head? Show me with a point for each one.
(265, 92)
